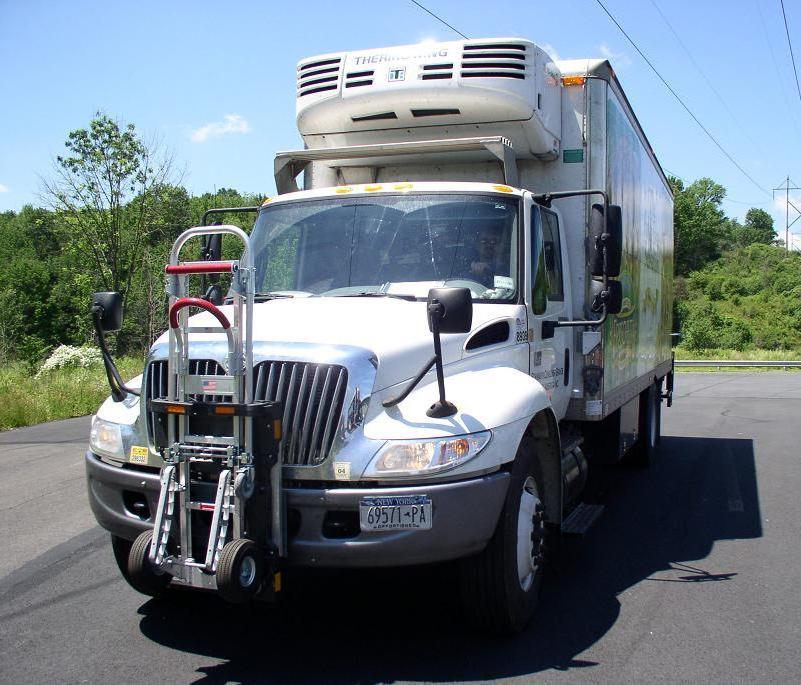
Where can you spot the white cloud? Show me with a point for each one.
(619, 60)
(231, 123)
(3, 189)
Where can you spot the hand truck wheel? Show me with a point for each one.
(239, 570)
(142, 575)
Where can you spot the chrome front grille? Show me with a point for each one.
(312, 396)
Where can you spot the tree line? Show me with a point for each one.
(114, 204)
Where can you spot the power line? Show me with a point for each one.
(790, 45)
(698, 68)
(725, 199)
(680, 101)
(438, 18)
(790, 113)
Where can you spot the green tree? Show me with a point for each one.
(701, 229)
(758, 228)
(107, 189)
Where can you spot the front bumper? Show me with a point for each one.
(465, 514)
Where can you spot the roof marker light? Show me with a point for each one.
(402, 186)
(504, 189)
(343, 189)
(373, 188)
(573, 80)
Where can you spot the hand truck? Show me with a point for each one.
(219, 524)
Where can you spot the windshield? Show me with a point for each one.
(388, 245)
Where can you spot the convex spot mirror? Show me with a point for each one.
(109, 305)
(607, 232)
(612, 295)
(453, 308)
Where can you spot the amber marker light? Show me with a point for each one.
(224, 410)
(343, 189)
(402, 186)
(504, 189)
(573, 80)
(176, 409)
(277, 429)
(373, 188)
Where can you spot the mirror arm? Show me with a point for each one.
(441, 408)
(119, 391)
(397, 400)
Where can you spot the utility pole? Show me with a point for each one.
(787, 204)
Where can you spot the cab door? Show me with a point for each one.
(549, 301)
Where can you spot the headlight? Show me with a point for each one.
(405, 458)
(105, 439)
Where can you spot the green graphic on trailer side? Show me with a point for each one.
(573, 156)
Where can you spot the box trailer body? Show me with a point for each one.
(466, 178)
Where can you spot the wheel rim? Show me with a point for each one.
(529, 534)
(247, 571)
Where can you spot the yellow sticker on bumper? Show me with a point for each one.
(138, 454)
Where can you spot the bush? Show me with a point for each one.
(69, 357)
(750, 296)
(704, 327)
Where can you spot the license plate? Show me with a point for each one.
(403, 512)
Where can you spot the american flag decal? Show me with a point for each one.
(209, 385)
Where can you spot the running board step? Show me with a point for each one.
(581, 519)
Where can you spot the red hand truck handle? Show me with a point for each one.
(200, 304)
(200, 268)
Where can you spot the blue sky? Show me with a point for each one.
(215, 81)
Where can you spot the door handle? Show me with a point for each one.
(567, 366)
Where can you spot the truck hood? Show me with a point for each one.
(395, 331)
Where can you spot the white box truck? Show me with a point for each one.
(422, 351)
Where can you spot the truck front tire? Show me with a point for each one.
(500, 586)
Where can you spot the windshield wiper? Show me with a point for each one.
(398, 296)
(261, 297)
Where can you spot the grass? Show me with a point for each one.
(732, 355)
(62, 394)
(750, 355)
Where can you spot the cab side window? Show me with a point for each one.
(552, 252)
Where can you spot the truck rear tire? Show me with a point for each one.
(142, 576)
(239, 570)
(643, 453)
(499, 587)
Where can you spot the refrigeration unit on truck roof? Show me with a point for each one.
(508, 87)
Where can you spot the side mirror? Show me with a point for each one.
(212, 248)
(109, 307)
(106, 311)
(612, 296)
(606, 232)
(452, 308)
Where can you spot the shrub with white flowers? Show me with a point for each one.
(67, 356)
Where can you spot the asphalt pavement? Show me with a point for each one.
(691, 574)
